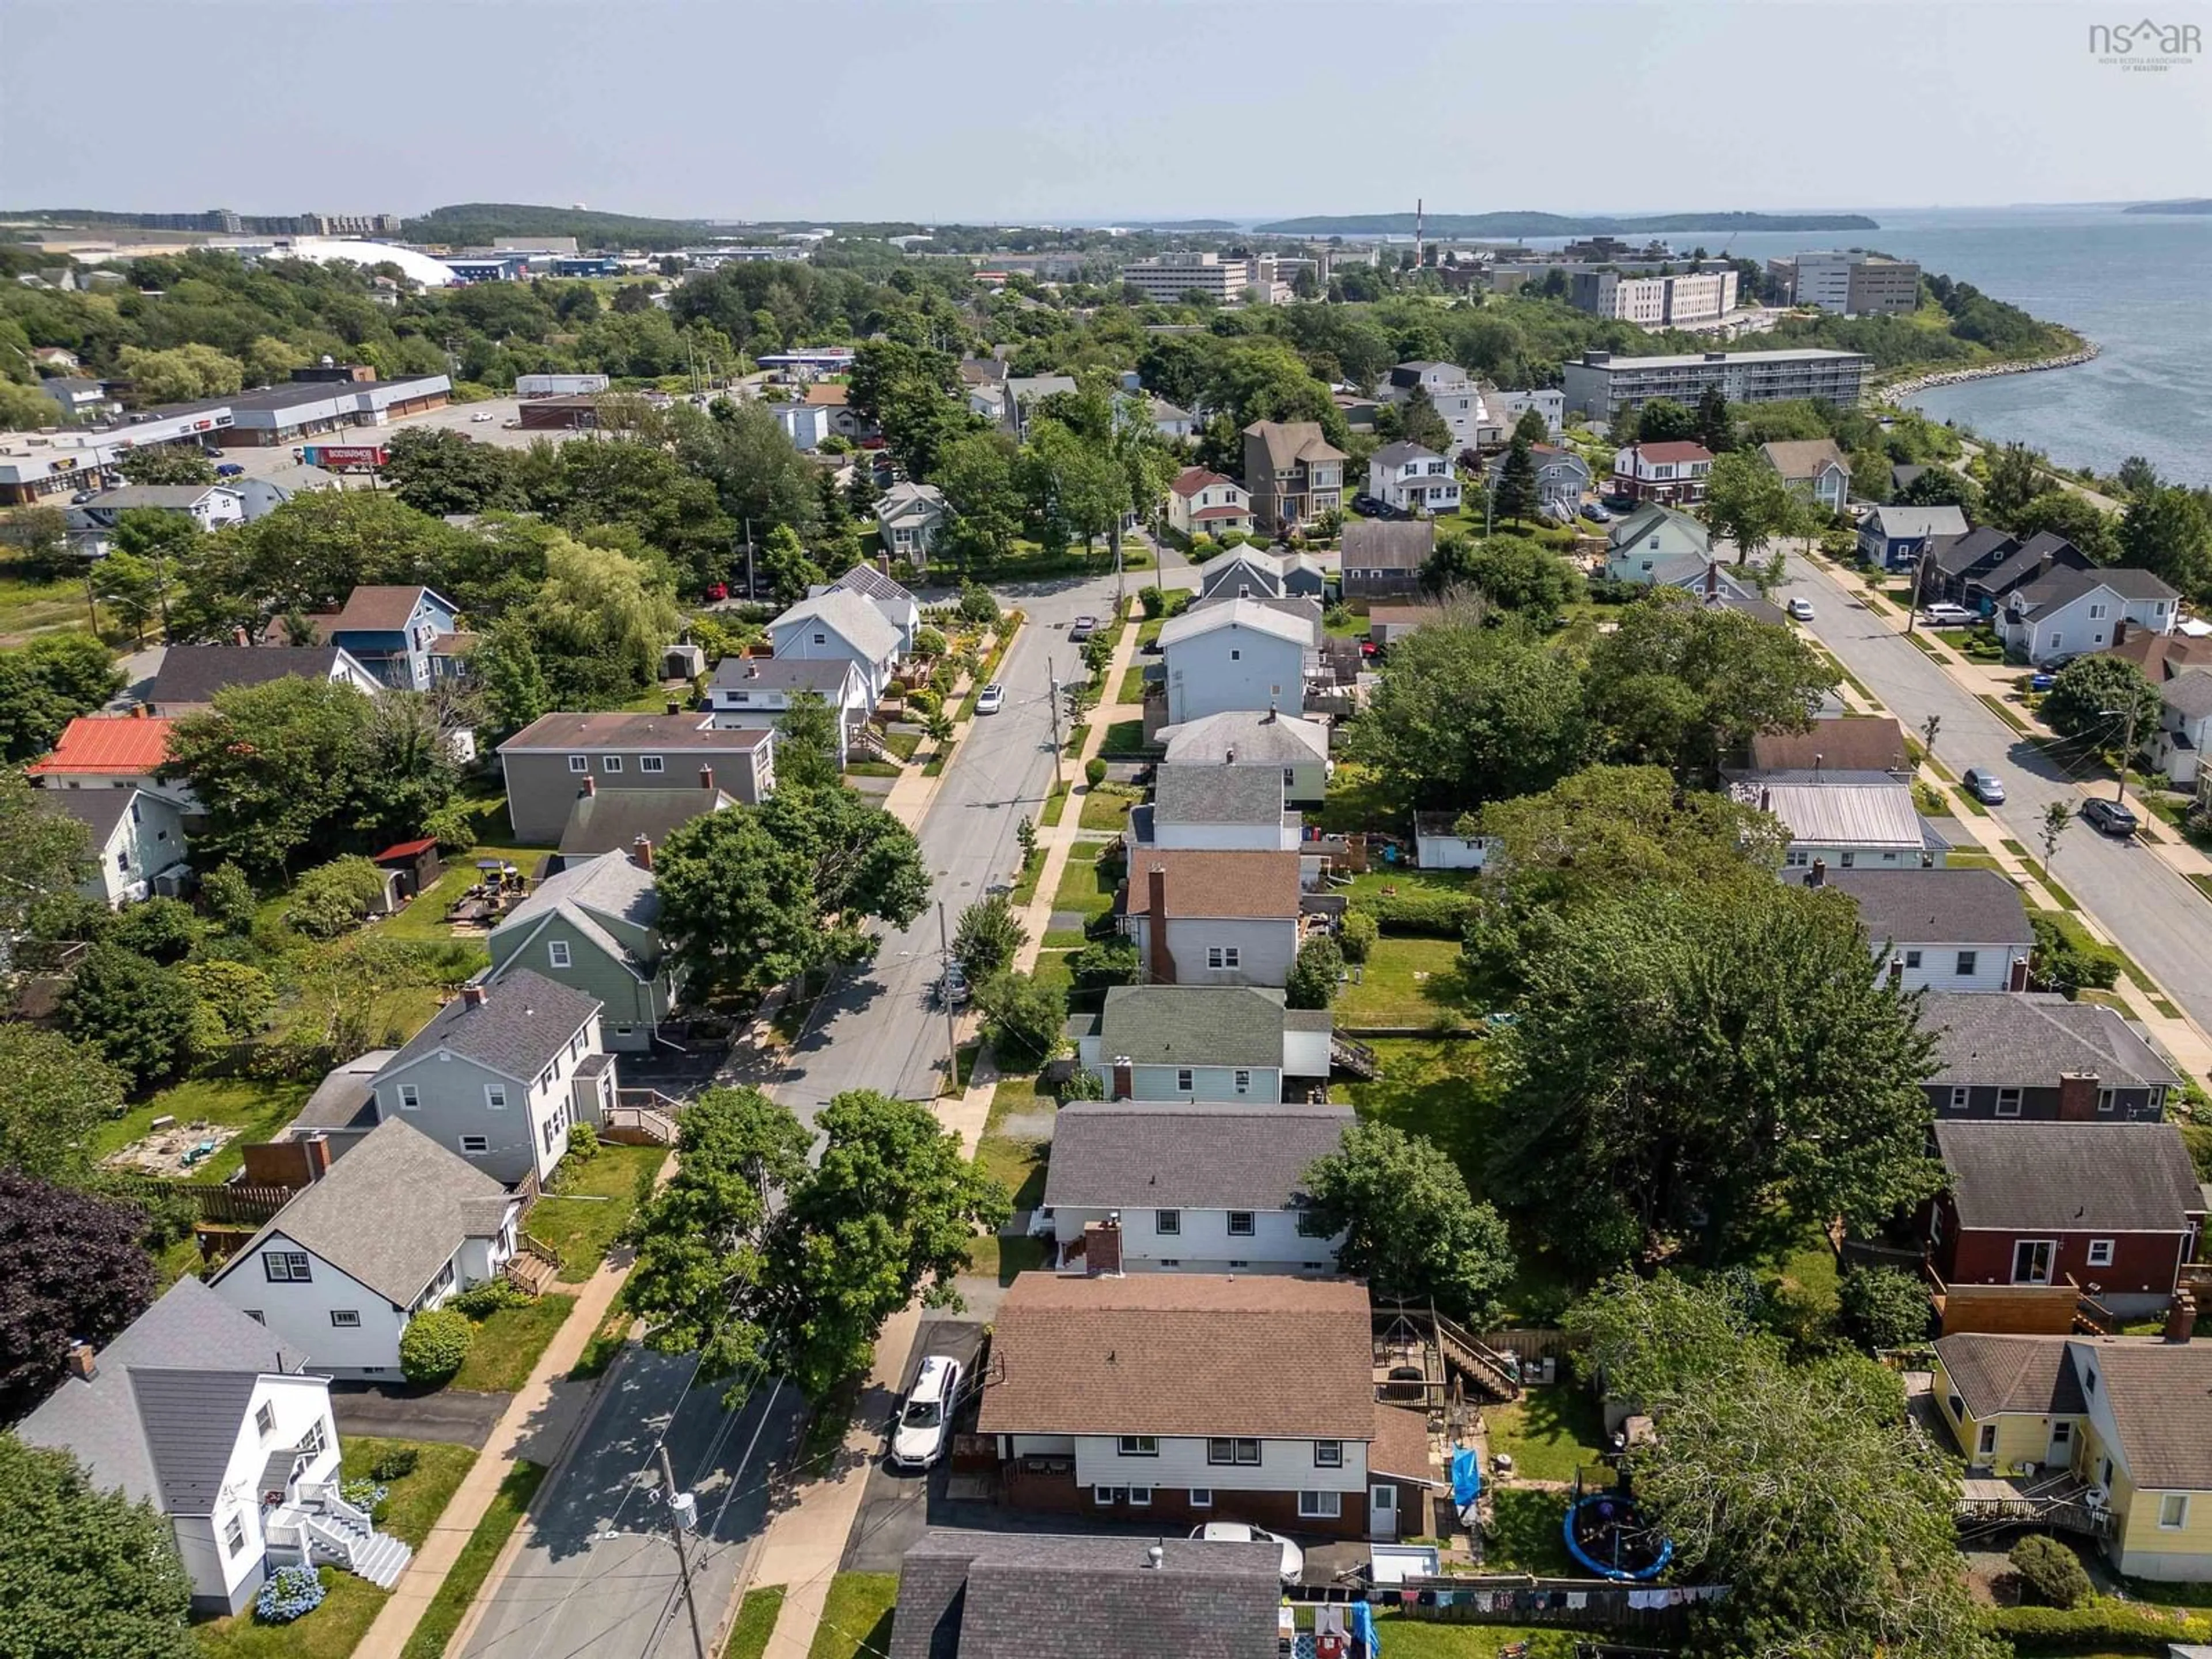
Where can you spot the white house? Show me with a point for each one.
(208, 1418)
(1025, 392)
(398, 1226)
(1457, 397)
(1203, 503)
(501, 1073)
(806, 424)
(1939, 930)
(899, 607)
(2184, 726)
(841, 626)
(210, 506)
(1848, 825)
(191, 675)
(1211, 918)
(1212, 1187)
(1253, 573)
(749, 692)
(136, 839)
(1636, 545)
(1509, 407)
(1228, 1042)
(2069, 612)
(1238, 655)
(1815, 468)
(1170, 422)
(1221, 808)
(1413, 479)
(1244, 736)
(909, 516)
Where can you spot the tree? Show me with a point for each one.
(1313, 976)
(76, 1272)
(1517, 574)
(2056, 817)
(1516, 496)
(601, 619)
(27, 409)
(1643, 1340)
(166, 463)
(1928, 728)
(180, 375)
(135, 1012)
(45, 854)
(910, 392)
(237, 995)
(2094, 696)
(54, 1093)
(1749, 503)
(2080, 520)
(46, 684)
(162, 928)
(1533, 426)
(269, 360)
(806, 744)
(1025, 1016)
(227, 898)
(2051, 1571)
(1469, 713)
(1662, 421)
(989, 937)
(2167, 530)
(439, 470)
(1884, 1308)
(1420, 424)
(1412, 1229)
(504, 664)
(1074, 486)
(336, 898)
(2136, 478)
(1715, 430)
(976, 475)
(1870, 474)
(87, 1570)
(1939, 486)
(783, 564)
(2014, 478)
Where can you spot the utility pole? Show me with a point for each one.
(749, 560)
(1049, 669)
(945, 990)
(1919, 570)
(2127, 753)
(675, 1536)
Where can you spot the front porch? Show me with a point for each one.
(311, 1523)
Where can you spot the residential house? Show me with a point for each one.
(91, 525)
(594, 928)
(988, 399)
(2039, 556)
(807, 424)
(1847, 823)
(1387, 624)
(203, 1415)
(501, 1073)
(1025, 392)
(1222, 808)
(1359, 410)
(1961, 930)
(2177, 746)
(1815, 468)
(1243, 737)
(549, 760)
(191, 675)
(1243, 654)
(1214, 918)
(1210, 1186)
(898, 607)
(1016, 1596)
(834, 399)
(135, 838)
(1563, 477)
(2131, 1416)
(1700, 574)
(1382, 559)
(838, 625)
(2070, 613)
(1203, 503)
(756, 691)
(1175, 1398)
(2036, 1058)
(616, 821)
(396, 633)
(1508, 407)
(1664, 474)
(1850, 743)
(1221, 1043)
(1898, 537)
(77, 398)
(909, 517)
(1456, 398)
(1955, 561)
(1170, 422)
(102, 751)
(398, 1226)
(1294, 474)
(2114, 1207)
(1636, 544)
(1413, 479)
(1252, 572)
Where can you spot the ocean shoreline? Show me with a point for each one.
(1914, 384)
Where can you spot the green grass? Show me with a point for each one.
(592, 1201)
(1969, 858)
(1084, 886)
(1055, 807)
(29, 607)
(1549, 1432)
(413, 1503)
(1124, 739)
(1107, 807)
(2014, 848)
(1407, 879)
(903, 743)
(1433, 1087)
(1525, 1534)
(872, 768)
(1434, 1639)
(856, 1617)
(2202, 883)
(425, 915)
(1019, 1166)
(1355, 801)
(508, 1344)
(331, 1631)
(1997, 706)
(256, 1110)
(1405, 981)
(756, 1623)
(604, 1343)
(1131, 691)
(474, 1564)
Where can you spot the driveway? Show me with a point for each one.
(458, 1417)
(899, 1506)
(597, 1572)
(2158, 918)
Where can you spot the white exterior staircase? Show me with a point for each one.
(342, 1535)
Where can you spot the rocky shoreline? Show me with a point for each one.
(1919, 383)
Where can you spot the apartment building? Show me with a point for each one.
(1602, 385)
(1168, 277)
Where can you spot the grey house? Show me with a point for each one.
(501, 1073)
(1383, 558)
(2039, 1057)
(1207, 1042)
(593, 928)
(1941, 930)
(616, 821)
(550, 760)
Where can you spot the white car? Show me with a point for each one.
(991, 699)
(925, 1420)
(1801, 610)
(481, 416)
(1242, 1532)
(1948, 616)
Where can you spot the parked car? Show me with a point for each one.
(1595, 513)
(1619, 503)
(2041, 682)
(1985, 786)
(481, 416)
(2113, 817)
(952, 986)
(925, 1422)
(1802, 608)
(1948, 615)
(991, 699)
(1242, 1532)
(1081, 629)
(230, 470)
(1370, 506)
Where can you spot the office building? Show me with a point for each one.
(1166, 278)
(1654, 301)
(1855, 283)
(1601, 383)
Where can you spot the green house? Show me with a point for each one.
(594, 928)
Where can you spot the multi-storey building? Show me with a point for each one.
(1853, 283)
(1168, 277)
(1654, 301)
(1601, 383)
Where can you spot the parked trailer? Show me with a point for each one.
(342, 457)
(559, 385)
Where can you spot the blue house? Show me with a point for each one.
(1895, 537)
(405, 636)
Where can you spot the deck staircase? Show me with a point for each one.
(1355, 1058)
(337, 1532)
(865, 739)
(1487, 1370)
(534, 1266)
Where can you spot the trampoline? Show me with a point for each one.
(1606, 1533)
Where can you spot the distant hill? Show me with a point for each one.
(1179, 224)
(2202, 204)
(1554, 224)
(473, 223)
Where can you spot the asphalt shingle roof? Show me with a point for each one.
(611, 885)
(1193, 1025)
(1649, 517)
(1255, 614)
(1956, 555)
(1803, 458)
(2069, 1177)
(2029, 1039)
(194, 673)
(1914, 522)
(1255, 737)
(1217, 794)
(1204, 1155)
(2189, 693)
(520, 1024)
(851, 617)
(612, 820)
(823, 674)
(1965, 907)
(1248, 884)
(2000, 1374)
(99, 810)
(690, 730)
(2159, 1395)
(1387, 544)
(1854, 743)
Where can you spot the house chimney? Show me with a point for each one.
(1820, 876)
(2180, 1318)
(137, 711)
(1228, 755)
(641, 852)
(472, 996)
(84, 1364)
(1896, 972)
(1160, 965)
(238, 636)
(1765, 801)
(1102, 1248)
(2119, 633)
(707, 777)
(2077, 1097)
(1712, 580)
(2016, 977)
(589, 787)
(752, 668)
(675, 707)
(318, 1157)
(1124, 1079)
(883, 563)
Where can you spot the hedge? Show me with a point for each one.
(2104, 1626)
(1428, 912)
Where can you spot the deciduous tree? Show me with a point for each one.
(45, 853)
(989, 937)
(2167, 530)
(75, 1271)
(2094, 696)
(1747, 502)
(46, 684)
(132, 1011)
(87, 1572)
(1411, 1228)
(806, 744)
(54, 1093)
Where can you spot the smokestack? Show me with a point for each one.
(2180, 1318)
(641, 852)
(1124, 1079)
(472, 996)
(84, 1364)
(1162, 965)
(707, 777)
(590, 785)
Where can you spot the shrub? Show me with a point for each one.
(978, 604)
(395, 1465)
(2067, 960)
(1884, 1307)
(435, 1345)
(1082, 1085)
(1109, 961)
(290, 1593)
(334, 897)
(583, 1143)
(2102, 1626)
(479, 1301)
(924, 701)
(1094, 771)
(1357, 937)
(1314, 975)
(929, 644)
(363, 1494)
(2051, 1571)
(1433, 912)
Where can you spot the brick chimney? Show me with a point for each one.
(675, 706)
(472, 996)
(1160, 965)
(318, 1157)
(2119, 633)
(82, 1361)
(1896, 972)
(238, 637)
(2077, 1097)
(1712, 580)
(1102, 1248)
(2016, 975)
(1124, 1079)
(589, 786)
(137, 711)
(2180, 1318)
(1765, 801)
(641, 852)
(1820, 876)
(707, 777)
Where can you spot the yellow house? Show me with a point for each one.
(2131, 1417)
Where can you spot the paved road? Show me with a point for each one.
(596, 1573)
(2157, 917)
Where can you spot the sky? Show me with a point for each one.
(1086, 110)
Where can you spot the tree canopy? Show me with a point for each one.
(83, 1572)
(1411, 1228)
(75, 1272)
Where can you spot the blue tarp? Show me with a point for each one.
(1466, 1477)
(1363, 1629)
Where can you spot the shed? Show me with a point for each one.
(1437, 844)
(414, 863)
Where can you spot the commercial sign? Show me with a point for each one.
(344, 455)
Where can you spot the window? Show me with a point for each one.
(1959, 1407)
(257, 1316)
(579, 764)
(1328, 1453)
(1137, 1445)
(1312, 1224)
(1320, 1506)
(1848, 858)
(1958, 1098)
(556, 952)
(1232, 1451)
(1240, 1224)
(496, 1096)
(1224, 956)
(552, 1132)
(2104, 1100)
(475, 1144)
(2096, 613)
(1102, 1496)
(611, 762)
(1243, 1082)
(1167, 1223)
(1290, 778)
(1967, 960)
(1236, 656)
(2100, 1252)
(1184, 1080)
(1236, 1266)
(264, 1419)
(1797, 858)
(1168, 1264)
(1913, 958)
(1987, 1445)
(1201, 1498)
(821, 639)
(1141, 1498)
(650, 764)
(2174, 1511)
(234, 1535)
(2007, 1103)
(411, 1097)
(345, 1319)
(286, 1267)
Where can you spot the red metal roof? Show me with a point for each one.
(1674, 451)
(109, 743)
(406, 849)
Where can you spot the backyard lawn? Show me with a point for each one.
(1550, 1431)
(1107, 807)
(1405, 878)
(1355, 802)
(255, 1111)
(425, 915)
(856, 1617)
(1432, 1086)
(1082, 884)
(1432, 1639)
(508, 1344)
(592, 1201)
(1405, 982)
(1525, 1534)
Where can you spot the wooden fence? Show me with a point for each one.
(236, 1204)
